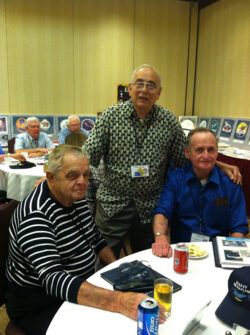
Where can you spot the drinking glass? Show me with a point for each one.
(163, 290)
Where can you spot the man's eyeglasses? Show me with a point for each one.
(34, 127)
(150, 86)
(74, 124)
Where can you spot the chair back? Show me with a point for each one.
(6, 211)
(11, 145)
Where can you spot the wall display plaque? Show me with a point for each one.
(46, 124)
(4, 130)
(214, 125)
(203, 122)
(227, 129)
(88, 122)
(122, 93)
(188, 123)
(241, 129)
(62, 122)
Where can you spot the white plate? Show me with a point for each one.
(199, 257)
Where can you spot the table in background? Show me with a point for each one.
(202, 283)
(244, 166)
(19, 182)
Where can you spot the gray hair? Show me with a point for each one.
(56, 156)
(198, 130)
(143, 66)
(75, 117)
(31, 119)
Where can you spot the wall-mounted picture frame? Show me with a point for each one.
(240, 133)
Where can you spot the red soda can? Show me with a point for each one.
(181, 253)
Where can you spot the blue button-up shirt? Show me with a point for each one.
(1, 150)
(217, 208)
(25, 141)
(64, 132)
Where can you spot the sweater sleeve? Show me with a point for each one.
(37, 243)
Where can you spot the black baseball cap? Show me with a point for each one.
(235, 308)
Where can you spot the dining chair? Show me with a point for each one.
(6, 211)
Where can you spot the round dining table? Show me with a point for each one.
(203, 282)
(19, 182)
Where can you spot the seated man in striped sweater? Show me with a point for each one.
(53, 248)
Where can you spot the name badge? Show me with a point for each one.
(220, 202)
(138, 171)
(197, 237)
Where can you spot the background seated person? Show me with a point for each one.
(74, 124)
(53, 247)
(198, 198)
(33, 141)
(78, 139)
(20, 157)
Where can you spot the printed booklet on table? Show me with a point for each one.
(231, 252)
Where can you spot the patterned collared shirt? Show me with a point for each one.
(123, 141)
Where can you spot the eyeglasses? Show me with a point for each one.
(150, 86)
(34, 127)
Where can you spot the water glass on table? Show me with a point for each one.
(163, 290)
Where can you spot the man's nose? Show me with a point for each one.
(82, 180)
(205, 153)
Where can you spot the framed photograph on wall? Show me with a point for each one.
(47, 124)
(227, 129)
(88, 122)
(214, 125)
(203, 122)
(188, 123)
(4, 130)
(122, 93)
(240, 132)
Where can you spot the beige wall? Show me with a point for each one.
(66, 57)
(223, 66)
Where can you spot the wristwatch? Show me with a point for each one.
(160, 233)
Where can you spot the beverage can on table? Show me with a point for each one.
(181, 253)
(148, 317)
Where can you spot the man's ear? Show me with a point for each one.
(50, 177)
(187, 153)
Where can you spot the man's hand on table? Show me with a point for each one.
(161, 247)
(129, 303)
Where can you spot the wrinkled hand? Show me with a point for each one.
(129, 305)
(233, 172)
(20, 157)
(161, 247)
(36, 154)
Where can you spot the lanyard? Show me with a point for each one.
(33, 143)
(138, 144)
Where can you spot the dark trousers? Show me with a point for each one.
(32, 310)
(115, 228)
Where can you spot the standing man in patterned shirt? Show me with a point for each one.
(136, 140)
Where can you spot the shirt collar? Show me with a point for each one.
(190, 176)
(132, 112)
(31, 138)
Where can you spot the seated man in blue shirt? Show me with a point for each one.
(198, 198)
(33, 141)
(74, 124)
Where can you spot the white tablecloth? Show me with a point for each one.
(19, 182)
(202, 283)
